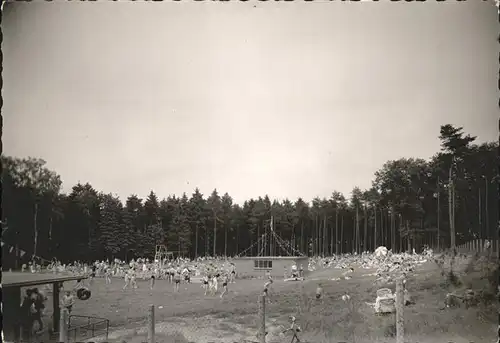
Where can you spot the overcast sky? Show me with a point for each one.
(288, 99)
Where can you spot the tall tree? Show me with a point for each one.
(111, 225)
(38, 181)
(455, 147)
(83, 219)
(197, 206)
(214, 207)
(226, 207)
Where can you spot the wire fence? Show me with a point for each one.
(86, 327)
(76, 328)
(491, 247)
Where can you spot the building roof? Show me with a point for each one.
(19, 279)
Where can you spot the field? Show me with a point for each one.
(190, 316)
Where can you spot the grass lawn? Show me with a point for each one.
(189, 316)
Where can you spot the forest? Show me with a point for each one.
(450, 198)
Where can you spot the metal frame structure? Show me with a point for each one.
(161, 253)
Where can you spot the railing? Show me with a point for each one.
(92, 327)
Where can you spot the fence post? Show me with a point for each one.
(400, 303)
(262, 318)
(63, 326)
(151, 324)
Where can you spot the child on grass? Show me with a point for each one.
(225, 281)
(68, 301)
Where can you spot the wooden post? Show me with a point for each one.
(151, 324)
(400, 303)
(262, 319)
(55, 306)
(63, 326)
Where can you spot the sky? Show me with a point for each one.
(285, 99)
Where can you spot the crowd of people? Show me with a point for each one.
(214, 275)
(210, 272)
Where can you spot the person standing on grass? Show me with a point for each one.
(186, 273)
(107, 275)
(233, 273)
(205, 281)
(68, 301)
(152, 279)
(301, 270)
(171, 274)
(177, 281)
(294, 270)
(39, 302)
(144, 271)
(173, 271)
(156, 270)
(133, 281)
(27, 312)
(215, 284)
(126, 278)
(225, 280)
(267, 285)
(92, 274)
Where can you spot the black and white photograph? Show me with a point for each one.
(203, 171)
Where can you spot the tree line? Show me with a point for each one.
(411, 202)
